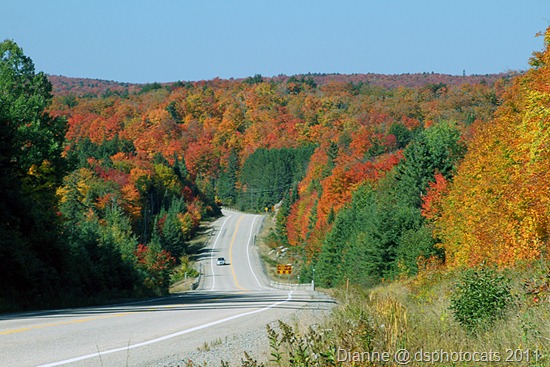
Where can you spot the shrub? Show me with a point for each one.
(185, 269)
(481, 297)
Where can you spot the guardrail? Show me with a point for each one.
(195, 285)
(292, 286)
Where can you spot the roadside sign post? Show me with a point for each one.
(284, 269)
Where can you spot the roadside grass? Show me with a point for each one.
(195, 246)
(265, 247)
(207, 346)
(183, 277)
(272, 253)
(413, 314)
(185, 274)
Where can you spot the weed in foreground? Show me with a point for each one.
(290, 347)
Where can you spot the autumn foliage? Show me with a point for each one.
(431, 202)
(498, 205)
(371, 173)
(156, 265)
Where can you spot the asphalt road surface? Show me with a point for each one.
(231, 297)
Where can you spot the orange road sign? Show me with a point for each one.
(284, 269)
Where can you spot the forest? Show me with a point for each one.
(370, 177)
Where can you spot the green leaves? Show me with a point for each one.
(351, 249)
(480, 298)
(23, 97)
(382, 233)
(436, 149)
(227, 183)
(268, 173)
(31, 167)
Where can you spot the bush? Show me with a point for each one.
(481, 297)
(185, 269)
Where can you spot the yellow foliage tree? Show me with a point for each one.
(498, 207)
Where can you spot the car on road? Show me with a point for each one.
(220, 261)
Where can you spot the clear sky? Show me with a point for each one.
(169, 40)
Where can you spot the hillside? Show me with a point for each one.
(409, 80)
(255, 142)
(63, 85)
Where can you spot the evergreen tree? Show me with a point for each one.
(227, 191)
(268, 173)
(436, 149)
(171, 236)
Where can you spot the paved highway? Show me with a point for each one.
(230, 298)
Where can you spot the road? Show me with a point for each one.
(230, 298)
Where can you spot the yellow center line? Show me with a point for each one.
(231, 254)
(77, 321)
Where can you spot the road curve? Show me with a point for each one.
(230, 298)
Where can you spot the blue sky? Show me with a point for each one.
(168, 40)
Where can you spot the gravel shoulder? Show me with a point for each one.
(253, 340)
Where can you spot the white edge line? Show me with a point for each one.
(212, 258)
(248, 252)
(166, 337)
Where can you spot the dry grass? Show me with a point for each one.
(413, 315)
(182, 285)
(265, 248)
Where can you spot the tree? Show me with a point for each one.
(173, 228)
(497, 209)
(268, 173)
(25, 95)
(436, 149)
(227, 191)
(352, 249)
(256, 79)
(31, 165)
